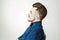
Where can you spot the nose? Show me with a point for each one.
(28, 15)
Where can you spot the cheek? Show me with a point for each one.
(30, 15)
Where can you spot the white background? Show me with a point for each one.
(13, 18)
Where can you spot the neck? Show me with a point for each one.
(36, 20)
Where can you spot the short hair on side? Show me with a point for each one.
(41, 9)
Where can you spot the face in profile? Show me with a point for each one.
(31, 14)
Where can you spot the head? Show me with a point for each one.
(38, 11)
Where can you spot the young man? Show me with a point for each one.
(35, 30)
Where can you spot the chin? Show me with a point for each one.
(29, 20)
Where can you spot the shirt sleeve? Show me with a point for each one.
(24, 35)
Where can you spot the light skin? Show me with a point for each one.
(33, 15)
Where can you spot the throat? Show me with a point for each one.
(36, 20)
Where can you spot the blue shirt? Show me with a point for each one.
(33, 32)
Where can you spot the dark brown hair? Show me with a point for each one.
(41, 9)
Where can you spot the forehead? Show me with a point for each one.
(33, 9)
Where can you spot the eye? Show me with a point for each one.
(30, 11)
